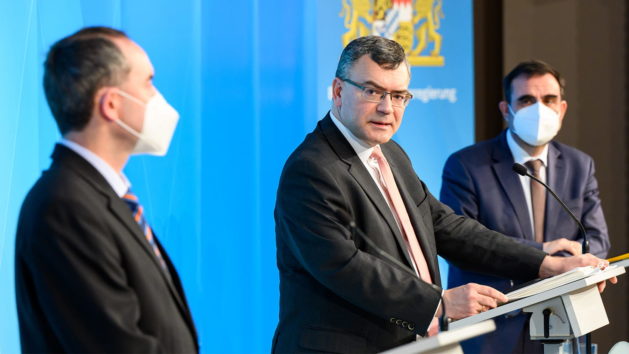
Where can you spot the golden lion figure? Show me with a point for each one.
(427, 30)
(404, 36)
(355, 14)
(380, 8)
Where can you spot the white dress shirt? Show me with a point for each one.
(117, 181)
(362, 150)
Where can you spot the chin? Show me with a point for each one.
(380, 141)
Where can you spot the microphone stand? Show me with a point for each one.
(521, 170)
(585, 246)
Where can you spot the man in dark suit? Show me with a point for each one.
(341, 291)
(90, 274)
(479, 182)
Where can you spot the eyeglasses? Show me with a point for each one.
(371, 94)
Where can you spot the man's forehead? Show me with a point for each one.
(365, 69)
(539, 84)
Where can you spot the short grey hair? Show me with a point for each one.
(385, 52)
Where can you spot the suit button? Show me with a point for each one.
(404, 324)
(511, 283)
(411, 326)
(392, 320)
(398, 322)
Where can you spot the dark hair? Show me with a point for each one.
(75, 68)
(385, 52)
(529, 69)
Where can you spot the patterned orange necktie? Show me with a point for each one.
(138, 215)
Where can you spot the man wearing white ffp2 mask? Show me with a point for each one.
(479, 182)
(536, 124)
(160, 121)
(96, 247)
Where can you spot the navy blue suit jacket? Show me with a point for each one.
(479, 182)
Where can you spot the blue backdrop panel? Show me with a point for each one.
(249, 79)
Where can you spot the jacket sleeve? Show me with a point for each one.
(471, 246)
(592, 216)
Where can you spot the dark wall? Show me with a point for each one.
(587, 41)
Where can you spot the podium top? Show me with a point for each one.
(444, 339)
(623, 263)
(610, 272)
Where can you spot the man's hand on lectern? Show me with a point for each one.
(557, 265)
(470, 299)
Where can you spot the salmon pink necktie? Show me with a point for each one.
(387, 182)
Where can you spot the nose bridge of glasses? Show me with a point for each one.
(384, 95)
(395, 99)
(387, 103)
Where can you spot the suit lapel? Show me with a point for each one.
(510, 183)
(178, 289)
(554, 173)
(122, 213)
(357, 169)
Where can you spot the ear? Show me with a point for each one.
(563, 107)
(503, 106)
(336, 91)
(108, 103)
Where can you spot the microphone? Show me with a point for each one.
(523, 171)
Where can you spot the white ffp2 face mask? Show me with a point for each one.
(536, 124)
(160, 121)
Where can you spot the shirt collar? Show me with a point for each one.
(520, 155)
(118, 181)
(362, 150)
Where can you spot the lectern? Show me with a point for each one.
(558, 314)
(445, 342)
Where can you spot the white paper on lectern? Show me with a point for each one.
(543, 296)
(553, 282)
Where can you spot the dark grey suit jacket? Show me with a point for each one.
(336, 295)
(86, 279)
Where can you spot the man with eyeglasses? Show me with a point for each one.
(358, 233)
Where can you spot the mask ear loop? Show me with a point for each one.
(130, 130)
(512, 128)
(511, 110)
(131, 97)
(122, 124)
